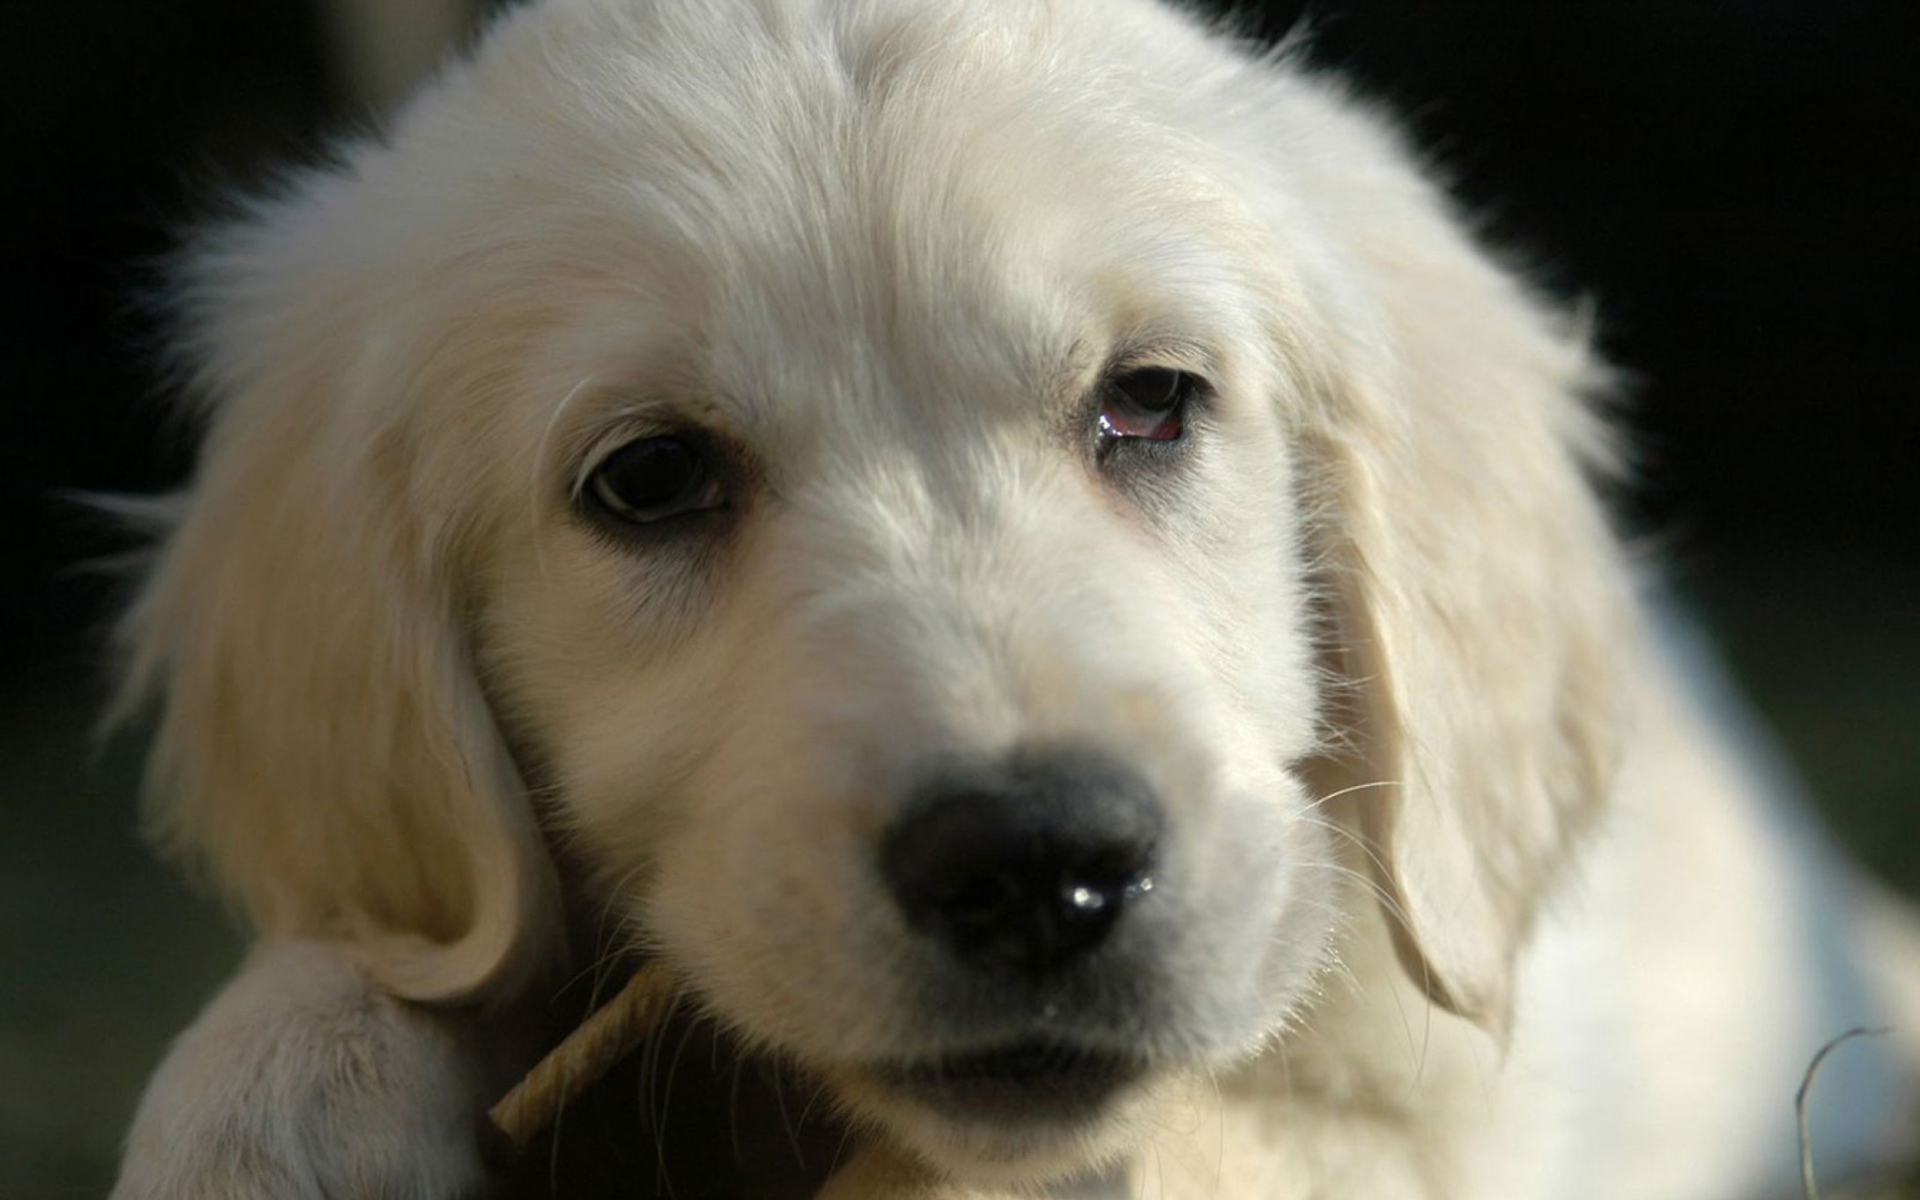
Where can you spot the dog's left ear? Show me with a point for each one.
(1476, 621)
(324, 744)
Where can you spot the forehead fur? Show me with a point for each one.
(769, 202)
(870, 165)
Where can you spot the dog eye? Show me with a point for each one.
(654, 479)
(1149, 403)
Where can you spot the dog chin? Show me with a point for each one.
(1008, 1117)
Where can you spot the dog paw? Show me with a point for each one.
(303, 1081)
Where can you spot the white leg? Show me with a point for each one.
(301, 1080)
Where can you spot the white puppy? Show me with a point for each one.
(1021, 548)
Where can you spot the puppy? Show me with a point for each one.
(1021, 548)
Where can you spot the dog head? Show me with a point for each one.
(971, 523)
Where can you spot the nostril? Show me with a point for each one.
(983, 899)
(1030, 863)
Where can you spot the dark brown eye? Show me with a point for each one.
(1149, 403)
(654, 479)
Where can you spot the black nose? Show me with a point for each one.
(1027, 863)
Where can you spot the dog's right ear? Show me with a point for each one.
(323, 744)
(1477, 619)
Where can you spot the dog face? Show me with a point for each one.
(931, 500)
(910, 499)
(920, 593)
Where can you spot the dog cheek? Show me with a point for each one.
(1251, 927)
(1313, 893)
(765, 898)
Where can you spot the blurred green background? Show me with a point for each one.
(1724, 179)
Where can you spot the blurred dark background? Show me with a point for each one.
(1730, 181)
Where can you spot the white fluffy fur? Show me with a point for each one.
(1371, 639)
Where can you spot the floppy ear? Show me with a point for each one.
(1476, 596)
(323, 744)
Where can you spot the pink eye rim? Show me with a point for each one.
(1146, 404)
